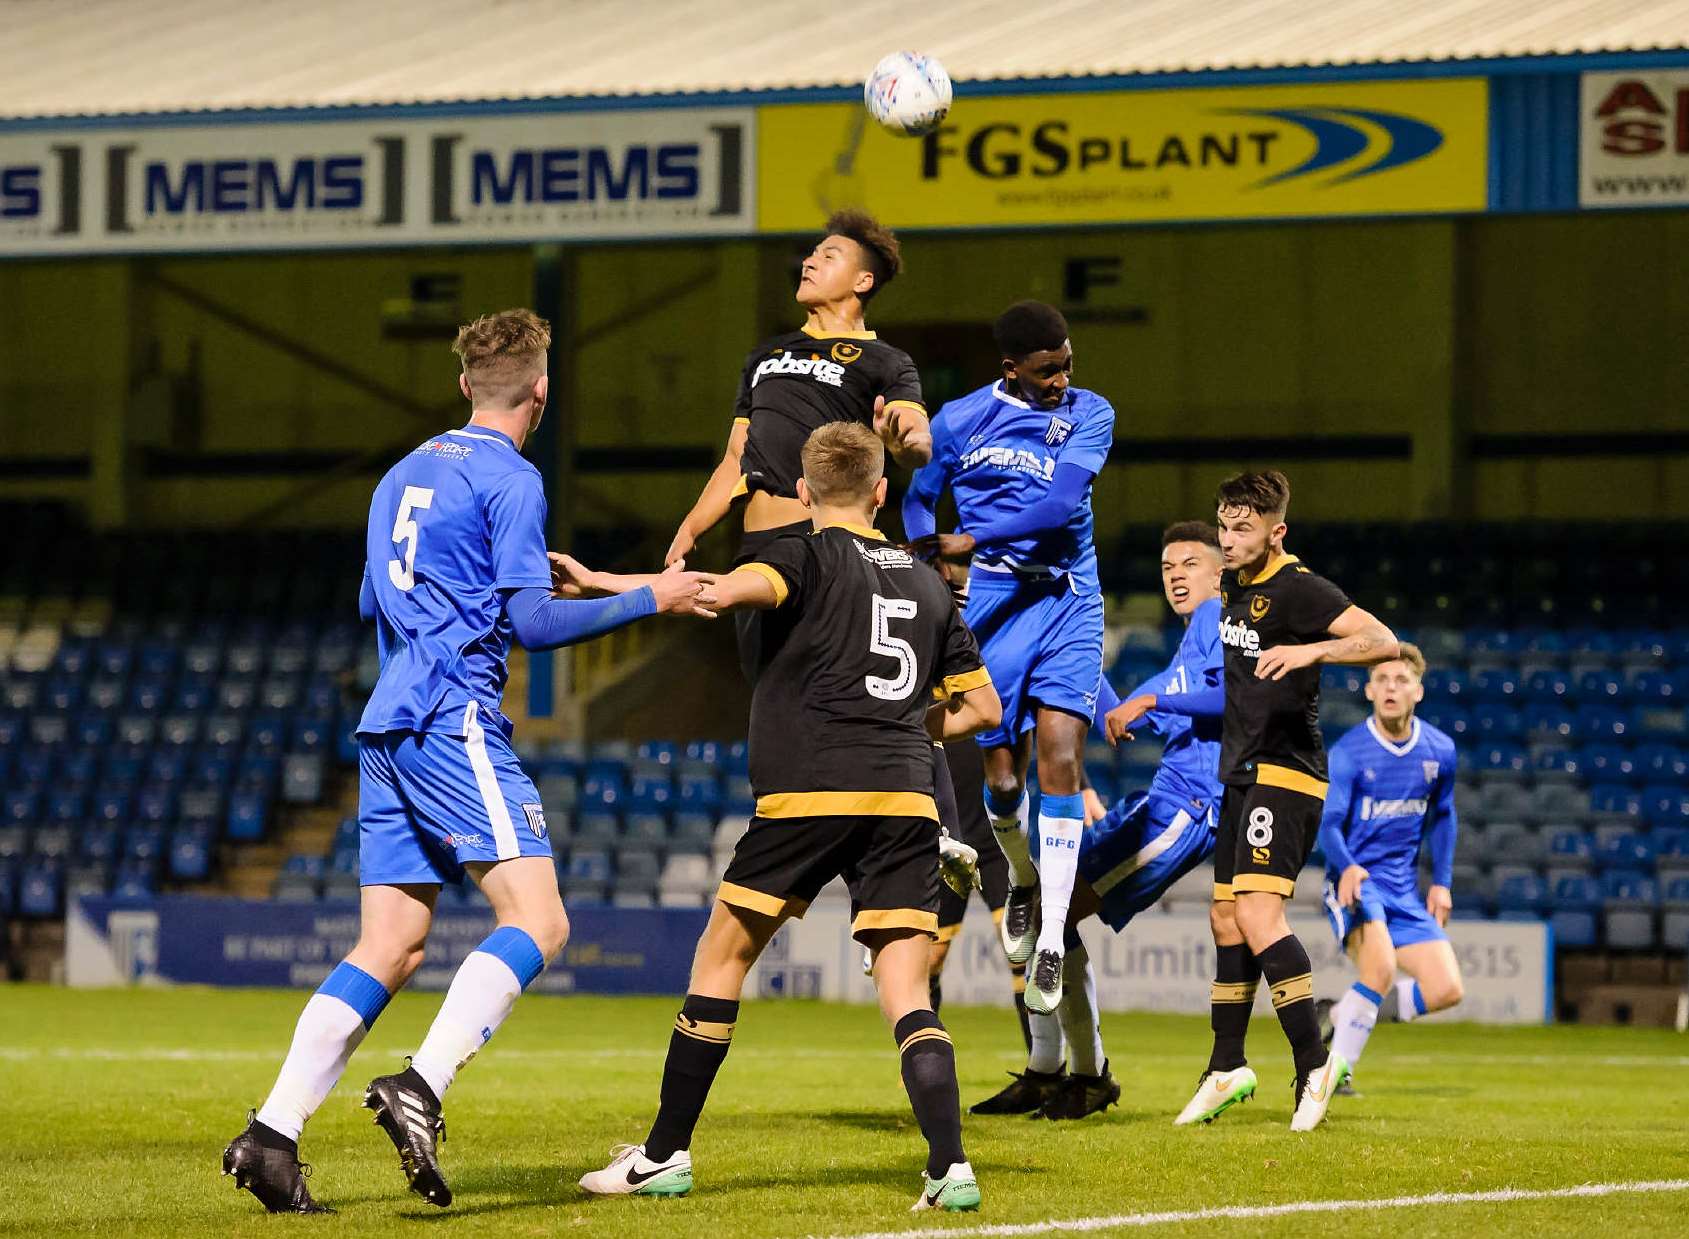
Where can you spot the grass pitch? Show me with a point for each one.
(115, 1106)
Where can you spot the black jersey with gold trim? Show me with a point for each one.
(798, 382)
(1271, 730)
(862, 638)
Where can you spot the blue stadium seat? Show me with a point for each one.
(1609, 763)
(189, 854)
(1449, 718)
(1617, 848)
(661, 752)
(644, 831)
(1602, 688)
(99, 844)
(1501, 758)
(1521, 892)
(1628, 906)
(651, 796)
(1666, 723)
(1671, 843)
(1549, 719)
(40, 890)
(1603, 722)
(134, 883)
(1656, 687)
(66, 805)
(1665, 805)
(589, 865)
(1447, 685)
(737, 758)
(1549, 685)
(1571, 849)
(707, 752)
(1497, 721)
(1614, 800)
(700, 794)
(144, 843)
(1662, 764)
(249, 816)
(1496, 685)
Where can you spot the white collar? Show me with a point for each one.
(998, 390)
(1400, 750)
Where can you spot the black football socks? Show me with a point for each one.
(703, 1031)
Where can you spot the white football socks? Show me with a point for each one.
(1078, 1014)
(1061, 822)
(1352, 1022)
(1009, 827)
(330, 1027)
(482, 994)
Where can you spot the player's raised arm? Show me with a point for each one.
(1359, 639)
(716, 499)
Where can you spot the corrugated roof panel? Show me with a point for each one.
(69, 57)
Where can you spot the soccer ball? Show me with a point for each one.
(907, 93)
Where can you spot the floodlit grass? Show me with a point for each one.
(117, 1106)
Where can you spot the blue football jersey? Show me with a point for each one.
(997, 455)
(1190, 762)
(1385, 800)
(453, 523)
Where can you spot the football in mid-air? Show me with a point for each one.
(907, 93)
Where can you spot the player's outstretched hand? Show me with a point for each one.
(1349, 885)
(570, 578)
(943, 546)
(1281, 660)
(680, 548)
(901, 435)
(1095, 809)
(679, 592)
(1439, 903)
(1117, 723)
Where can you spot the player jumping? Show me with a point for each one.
(859, 636)
(1392, 791)
(456, 568)
(1148, 840)
(1281, 622)
(1019, 456)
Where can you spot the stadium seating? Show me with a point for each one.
(190, 702)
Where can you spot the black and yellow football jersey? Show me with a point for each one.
(798, 382)
(862, 638)
(1271, 730)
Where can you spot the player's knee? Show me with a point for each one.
(550, 932)
(1376, 975)
(1222, 919)
(1261, 922)
(1005, 789)
(935, 961)
(1443, 993)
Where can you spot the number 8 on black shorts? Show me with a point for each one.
(1266, 833)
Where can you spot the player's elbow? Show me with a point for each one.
(1385, 644)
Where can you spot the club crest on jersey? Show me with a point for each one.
(844, 352)
(1430, 768)
(1059, 429)
(536, 819)
(1259, 605)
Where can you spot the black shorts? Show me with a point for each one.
(966, 763)
(1265, 836)
(748, 624)
(889, 864)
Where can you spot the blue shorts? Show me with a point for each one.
(1403, 913)
(1139, 850)
(1043, 645)
(429, 803)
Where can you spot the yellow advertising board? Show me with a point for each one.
(1242, 152)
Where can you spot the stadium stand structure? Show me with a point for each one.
(176, 711)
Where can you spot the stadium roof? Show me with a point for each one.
(104, 57)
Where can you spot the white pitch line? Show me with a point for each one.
(1126, 1220)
